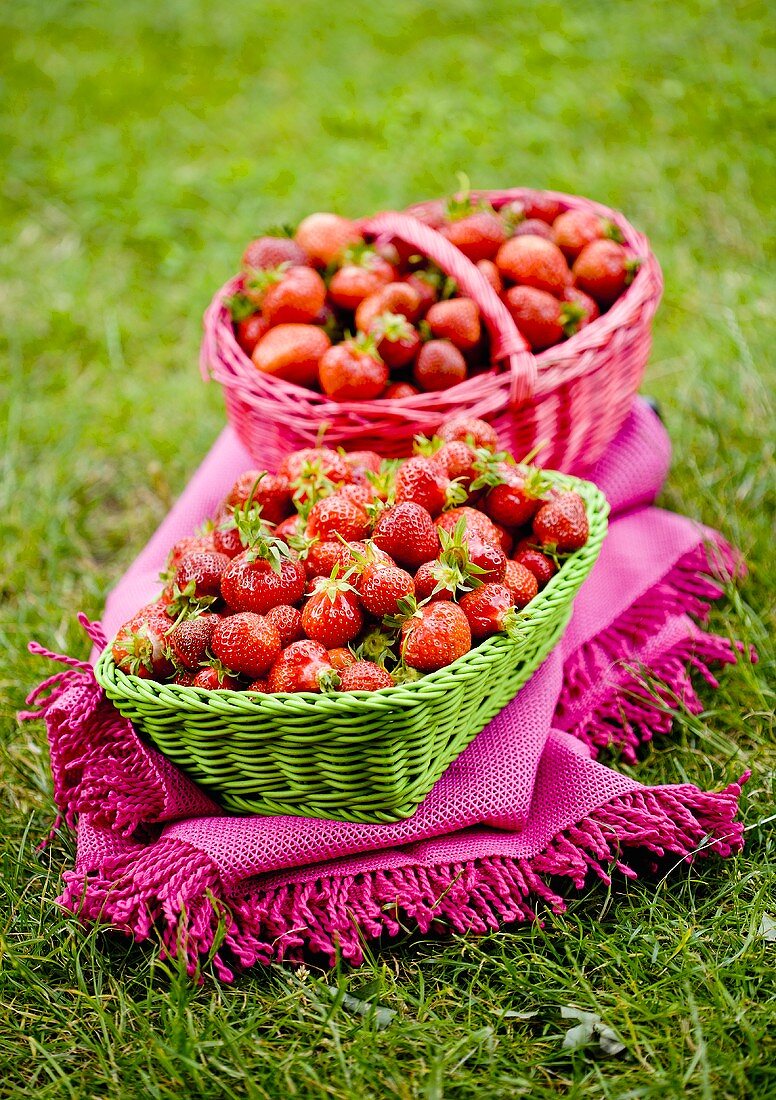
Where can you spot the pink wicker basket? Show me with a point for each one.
(572, 398)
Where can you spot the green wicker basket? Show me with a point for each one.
(354, 756)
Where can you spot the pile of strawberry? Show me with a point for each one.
(327, 310)
(353, 573)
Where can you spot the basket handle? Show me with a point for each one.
(508, 343)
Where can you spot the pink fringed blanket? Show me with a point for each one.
(527, 800)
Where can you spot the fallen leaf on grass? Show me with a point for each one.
(767, 928)
(590, 1028)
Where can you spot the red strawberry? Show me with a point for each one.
(272, 492)
(296, 298)
(336, 515)
(515, 496)
(292, 352)
(205, 569)
(366, 274)
(259, 685)
(476, 523)
(341, 658)
(538, 204)
(288, 623)
(185, 678)
(397, 341)
(542, 567)
(353, 371)
(380, 588)
(406, 532)
(457, 460)
(226, 537)
(573, 229)
(469, 429)
(323, 237)
(362, 495)
(435, 635)
(398, 298)
(190, 638)
(397, 391)
(323, 556)
(533, 227)
(291, 528)
(332, 615)
(187, 545)
(488, 609)
(490, 271)
(537, 314)
(365, 676)
(478, 235)
(140, 646)
(258, 584)
(312, 463)
(487, 557)
(363, 461)
(505, 540)
(426, 287)
(249, 331)
(246, 643)
(435, 580)
(439, 366)
(603, 270)
(532, 261)
(216, 678)
(423, 481)
(587, 313)
(303, 666)
(269, 252)
(456, 320)
(562, 522)
(521, 582)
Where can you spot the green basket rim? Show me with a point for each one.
(226, 700)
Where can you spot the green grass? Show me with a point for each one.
(143, 145)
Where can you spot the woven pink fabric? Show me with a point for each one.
(527, 799)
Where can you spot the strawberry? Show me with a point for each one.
(471, 430)
(303, 666)
(533, 227)
(397, 391)
(475, 523)
(205, 568)
(361, 494)
(603, 270)
(434, 635)
(562, 523)
(216, 678)
(423, 481)
(505, 540)
(189, 640)
(537, 314)
(297, 297)
(573, 229)
(522, 583)
(226, 537)
(311, 466)
(436, 581)
(363, 274)
(426, 286)
(398, 298)
(341, 658)
(336, 515)
(515, 494)
(185, 678)
(365, 676)
(488, 609)
(439, 366)
(323, 237)
(257, 583)
(538, 204)
(140, 646)
(290, 528)
(406, 532)
(249, 331)
(332, 615)
(479, 235)
(486, 556)
(364, 461)
(398, 343)
(456, 320)
(271, 492)
(292, 352)
(287, 621)
(542, 567)
(260, 686)
(246, 643)
(457, 460)
(269, 252)
(187, 545)
(491, 273)
(587, 313)
(321, 558)
(381, 586)
(532, 261)
(353, 371)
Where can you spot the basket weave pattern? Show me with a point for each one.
(573, 397)
(354, 756)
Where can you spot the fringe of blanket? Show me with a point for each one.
(172, 891)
